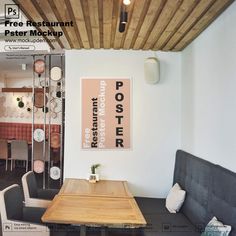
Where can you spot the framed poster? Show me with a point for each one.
(106, 113)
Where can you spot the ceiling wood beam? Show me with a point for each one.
(133, 22)
(64, 15)
(167, 25)
(166, 15)
(45, 11)
(85, 8)
(79, 20)
(58, 17)
(118, 35)
(151, 17)
(180, 16)
(32, 14)
(107, 23)
(100, 17)
(72, 17)
(139, 26)
(115, 20)
(201, 8)
(129, 9)
(94, 20)
(203, 23)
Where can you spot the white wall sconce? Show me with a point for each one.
(152, 70)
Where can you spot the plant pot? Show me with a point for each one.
(93, 178)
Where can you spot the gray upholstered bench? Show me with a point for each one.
(211, 191)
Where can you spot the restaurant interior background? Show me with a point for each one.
(50, 86)
(165, 116)
(18, 117)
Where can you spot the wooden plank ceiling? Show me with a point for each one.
(167, 25)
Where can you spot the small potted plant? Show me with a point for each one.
(93, 177)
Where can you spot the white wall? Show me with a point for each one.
(148, 167)
(2, 81)
(18, 82)
(209, 92)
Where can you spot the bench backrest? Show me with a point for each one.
(211, 190)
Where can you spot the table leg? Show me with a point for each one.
(136, 232)
(133, 232)
(103, 232)
(82, 230)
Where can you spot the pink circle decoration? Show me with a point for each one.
(38, 166)
(39, 66)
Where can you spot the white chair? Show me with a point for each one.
(19, 151)
(35, 197)
(18, 220)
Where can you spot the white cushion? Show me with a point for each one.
(175, 199)
(216, 228)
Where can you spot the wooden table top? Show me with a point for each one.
(94, 211)
(103, 188)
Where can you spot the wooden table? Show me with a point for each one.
(103, 204)
(103, 188)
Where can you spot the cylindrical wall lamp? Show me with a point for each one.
(123, 16)
(121, 27)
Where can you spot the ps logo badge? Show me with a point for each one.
(12, 11)
(7, 227)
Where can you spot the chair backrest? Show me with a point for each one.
(3, 149)
(38, 151)
(29, 185)
(12, 213)
(11, 203)
(19, 150)
(193, 175)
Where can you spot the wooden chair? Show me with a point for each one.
(19, 151)
(18, 220)
(4, 151)
(35, 197)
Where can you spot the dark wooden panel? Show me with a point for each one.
(23, 90)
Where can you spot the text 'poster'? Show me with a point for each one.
(106, 105)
